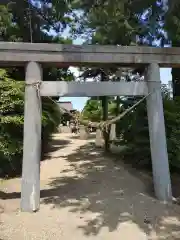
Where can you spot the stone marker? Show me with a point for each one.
(112, 132)
(83, 133)
(99, 138)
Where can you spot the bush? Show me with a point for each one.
(11, 124)
(134, 129)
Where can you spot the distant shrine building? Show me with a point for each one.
(66, 107)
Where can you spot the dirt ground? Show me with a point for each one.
(85, 195)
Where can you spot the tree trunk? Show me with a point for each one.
(105, 116)
(117, 113)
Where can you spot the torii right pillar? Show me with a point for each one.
(158, 145)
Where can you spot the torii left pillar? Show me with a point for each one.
(30, 190)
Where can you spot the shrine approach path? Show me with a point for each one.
(87, 195)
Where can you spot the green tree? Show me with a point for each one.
(92, 111)
(12, 120)
(28, 21)
(140, 22)
(99, 23)
(136, 135)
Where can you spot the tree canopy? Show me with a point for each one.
(28, 21)
(125, 22)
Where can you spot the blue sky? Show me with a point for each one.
(79, 102)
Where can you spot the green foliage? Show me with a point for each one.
(11, 123)
(5, 21)
(120, 23)
(92, 110)
(134, 131)
(28, 21)
(51, 118)
(101, 22)
(172, 120)
(108, 22)
(135, 135)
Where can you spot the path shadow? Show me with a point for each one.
(9, 195)
(112, 193)
(144, 173)
(90, 136)
(55, 145)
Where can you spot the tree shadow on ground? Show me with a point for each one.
(113, 194)
(89, 136)
(57, 144)
(9, 195)
(1, 209)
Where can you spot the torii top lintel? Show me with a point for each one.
(13, 54)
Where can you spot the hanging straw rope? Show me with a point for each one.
(103, 124)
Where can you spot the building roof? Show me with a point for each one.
(66, 105)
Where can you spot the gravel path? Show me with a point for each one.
(86, 196)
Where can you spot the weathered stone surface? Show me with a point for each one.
(62, 88)
(99, 138)
(65, 129)
(112, 132)
(61, 55)
(30, 189)
(83, 133)
(159, 155)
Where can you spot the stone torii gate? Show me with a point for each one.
(33, 56)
